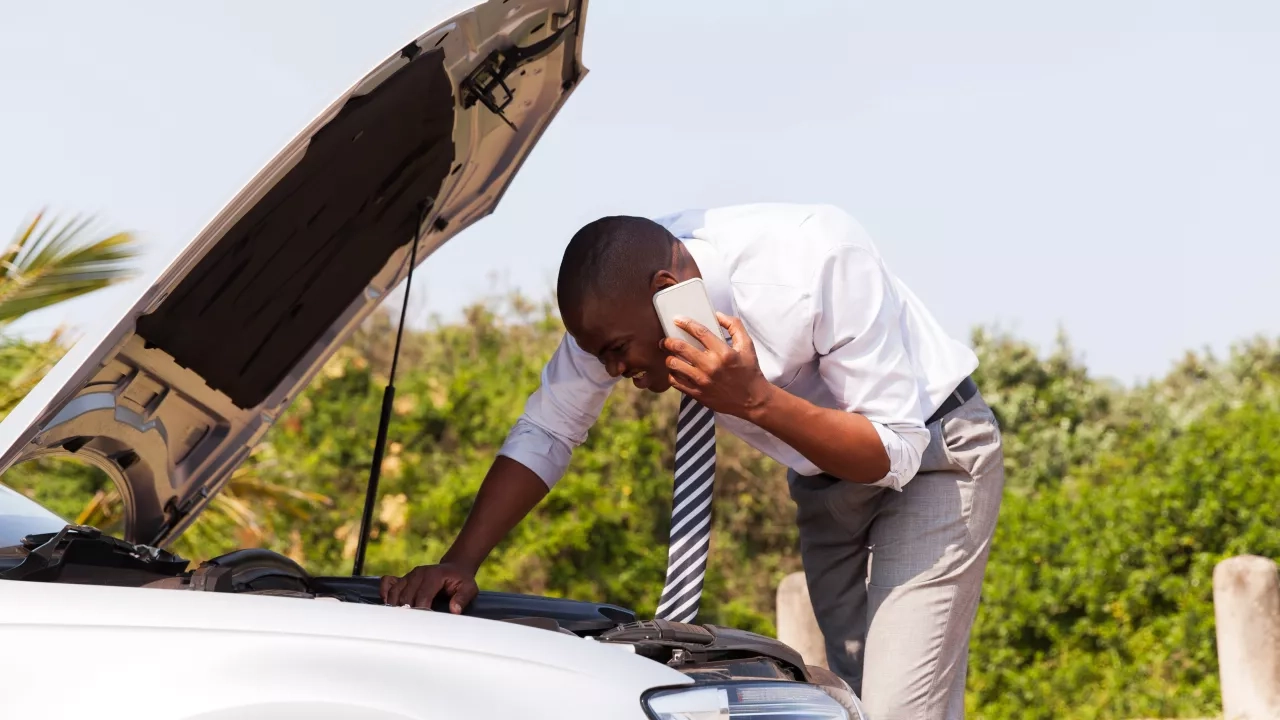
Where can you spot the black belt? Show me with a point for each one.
(961, 395)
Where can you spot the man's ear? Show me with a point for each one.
(662, 279)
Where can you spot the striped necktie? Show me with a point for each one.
(690, 512)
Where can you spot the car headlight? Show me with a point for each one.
(772, 699)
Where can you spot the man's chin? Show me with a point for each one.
(653, 383)
(659, 387)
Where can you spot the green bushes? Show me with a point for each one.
(1099, 599)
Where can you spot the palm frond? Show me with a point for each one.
(51, 262)
(247, 486)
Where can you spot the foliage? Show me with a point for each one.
(1098, 597)
(48, 263)
(1098, 601)
(22, 364)
(1058, 415)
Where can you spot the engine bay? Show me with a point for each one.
(84, 555)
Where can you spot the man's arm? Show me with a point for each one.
(863, 359)
(878, 435)
(842, 444)
(531, 461)
(727, 379)
(509, 492)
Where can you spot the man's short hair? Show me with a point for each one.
(612, 257)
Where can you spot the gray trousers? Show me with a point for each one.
(895, 577)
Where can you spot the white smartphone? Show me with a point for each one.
(688, 299)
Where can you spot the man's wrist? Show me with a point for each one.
(758, 411)
(460, 558)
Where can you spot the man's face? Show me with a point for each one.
(625, 335)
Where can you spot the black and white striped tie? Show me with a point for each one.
(690, 512)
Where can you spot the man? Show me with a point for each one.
(835, 369)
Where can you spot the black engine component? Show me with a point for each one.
(717, 649)
(576, 616)
(60, 557)
(203, 579)
(737, 670)
(257, 569)
(83, 555)
(540, 623)
(662, 632)
(252, 571)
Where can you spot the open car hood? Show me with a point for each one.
(171, 399)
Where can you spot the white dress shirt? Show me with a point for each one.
(830, 323)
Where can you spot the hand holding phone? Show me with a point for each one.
(728, 378)
(688, 299)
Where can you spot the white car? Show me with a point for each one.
(170, 400)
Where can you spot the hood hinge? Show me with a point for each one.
(482, 84)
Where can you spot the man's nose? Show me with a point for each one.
(616, 368)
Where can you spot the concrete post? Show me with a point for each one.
(797, 625)
(1246, 604)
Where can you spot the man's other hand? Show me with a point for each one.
(419, 587)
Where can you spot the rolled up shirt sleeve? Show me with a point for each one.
(863, 358)
(557, 416)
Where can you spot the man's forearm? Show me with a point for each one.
(509, 492)
(843, 444)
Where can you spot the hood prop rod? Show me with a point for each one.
(388, 398)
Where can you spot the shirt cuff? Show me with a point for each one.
(540, 451)
(904, 456)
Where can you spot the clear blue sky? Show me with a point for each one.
(1112, 168)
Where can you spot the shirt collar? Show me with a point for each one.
(714, 273)
(686, 225)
